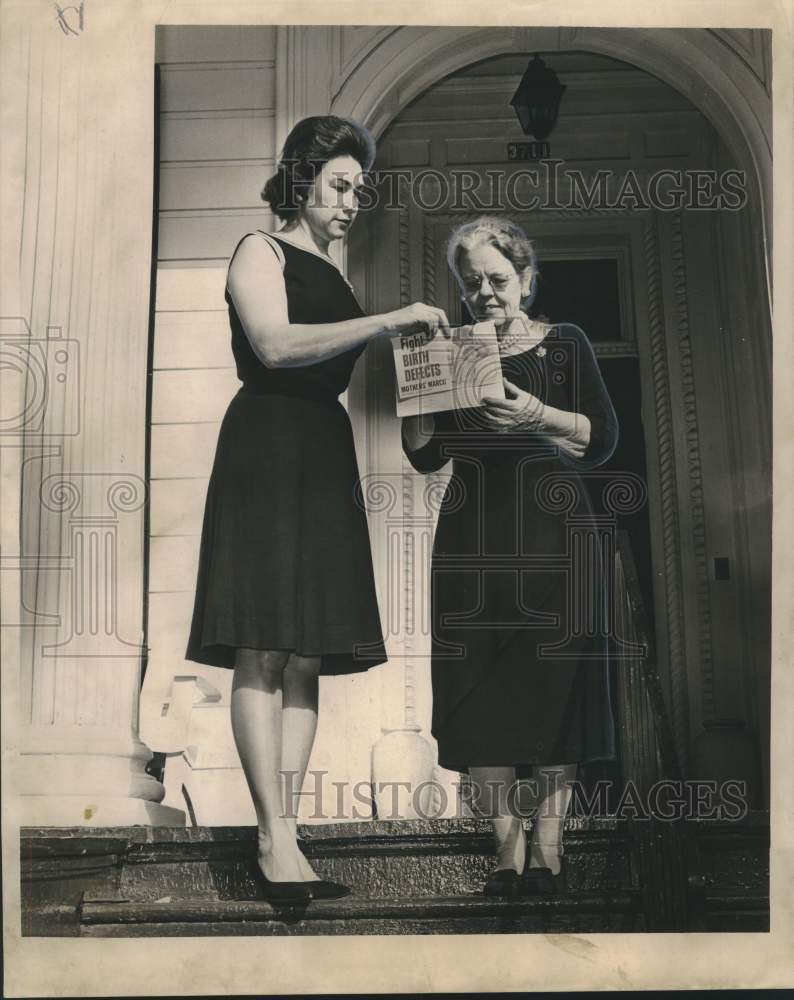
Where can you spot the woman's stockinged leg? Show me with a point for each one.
(492, 798)
(554, 798)
(299, 725)
(256, 712)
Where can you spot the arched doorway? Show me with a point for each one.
(672, 271)
(725, 74)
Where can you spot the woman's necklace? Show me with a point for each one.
(520, 334)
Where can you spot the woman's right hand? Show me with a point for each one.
(420, 319)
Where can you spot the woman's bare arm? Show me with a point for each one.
(569, 431)
(256, 285)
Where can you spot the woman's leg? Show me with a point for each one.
(554, 797)
(299, 725)
(256, 710)
(492, 798)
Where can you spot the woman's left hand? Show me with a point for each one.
(518, 411)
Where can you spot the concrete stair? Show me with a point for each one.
(734, 867)
(594, 912)
(408, 877)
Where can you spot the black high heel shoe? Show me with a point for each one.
(325, 889)
(503, 882)
(294, 893)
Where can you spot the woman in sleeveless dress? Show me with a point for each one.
(285, 588)
(518, 682)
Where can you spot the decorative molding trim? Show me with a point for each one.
(295, 80)
(211, 114)
(210, 65)
(428, 265)
(668, 497)
(408, 602)
(285, 85)
(409, 549)
(343, 69)
(244, 161)
(749, 45)
(405, 264)
(537, 39)
(617, 349)
(694, 467)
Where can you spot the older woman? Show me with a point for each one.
(285, 588)
(514, 685)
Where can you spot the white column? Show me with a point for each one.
(76, 325)
(81, 759)
(403, 754)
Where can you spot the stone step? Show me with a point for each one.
(399, 864)
(462, 914)
(735, 856)
(745, 911)
(380, 859)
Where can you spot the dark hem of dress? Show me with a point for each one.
(344, 661)
(523, 769)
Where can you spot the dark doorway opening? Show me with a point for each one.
(586, 291)
(582, 291)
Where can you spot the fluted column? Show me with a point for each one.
(76, 331)
(401, 541)
(81, 758)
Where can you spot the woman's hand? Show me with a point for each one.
(420, 319)
(519, 411)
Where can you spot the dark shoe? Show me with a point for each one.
(541, 882)
(323, 889)
(283, 892)
(502, 882)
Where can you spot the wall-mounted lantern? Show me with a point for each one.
(537, 99)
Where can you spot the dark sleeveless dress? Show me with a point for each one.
(285, 558)
(519, 674)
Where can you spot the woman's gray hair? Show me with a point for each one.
(510, 240)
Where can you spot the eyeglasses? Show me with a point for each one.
(497, 283)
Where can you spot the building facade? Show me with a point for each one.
(120, 370)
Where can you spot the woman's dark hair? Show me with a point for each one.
(309, 146)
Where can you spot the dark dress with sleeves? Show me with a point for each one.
(519, 658)
(285, 558)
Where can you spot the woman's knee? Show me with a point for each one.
(303, 666)
(260, 662)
